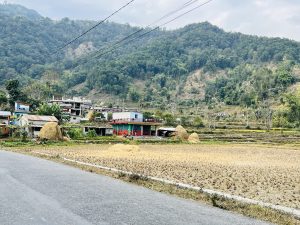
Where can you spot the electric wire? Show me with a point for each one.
(188, 3)
(93, 27)
(116, 46)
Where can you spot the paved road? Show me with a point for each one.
(36, 191)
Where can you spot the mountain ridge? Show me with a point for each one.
(13, 10)
(163, 60)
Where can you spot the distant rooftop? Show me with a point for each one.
(22, 103)
(74, 99)
(5, 113)
(41, 118)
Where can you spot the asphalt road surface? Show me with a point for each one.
(36, 191)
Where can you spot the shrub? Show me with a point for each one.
(75, 133)
(16, 133)
(24, 135)
(198, 122)
(169, 119)
(91, 134)
(281, 122)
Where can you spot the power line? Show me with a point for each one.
(114, 47)
(185, 5)
(93, 27)
(183, 14)
(188, 3)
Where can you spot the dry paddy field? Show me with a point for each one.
(261, 172)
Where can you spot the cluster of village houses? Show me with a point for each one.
(123, 122)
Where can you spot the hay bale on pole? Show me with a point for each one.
(181, 133)
(51, 131)
(194, 138)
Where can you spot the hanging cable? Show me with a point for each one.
(116, 46)
(188, 3)
(93, 27)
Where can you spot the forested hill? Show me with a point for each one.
(199, 62)
(18, 10)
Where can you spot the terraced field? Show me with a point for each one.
(262, 172)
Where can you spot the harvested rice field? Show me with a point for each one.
(261, 172)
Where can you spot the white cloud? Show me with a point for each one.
(261, 17)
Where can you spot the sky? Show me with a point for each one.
(272, 18)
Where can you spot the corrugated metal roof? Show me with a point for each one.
(172, 129)
(41, 118)
(99, 127)
(5, 113)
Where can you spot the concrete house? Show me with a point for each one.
(133, 124)
(21, 109)
(100, 130)
(4, 122)
(34, 123)
(74, 107)
(5, 117)
(105, 111)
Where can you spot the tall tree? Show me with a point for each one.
(294, 109)
(3, 99)
(50, 110)
(14, 92)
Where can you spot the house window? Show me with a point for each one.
(136, 116)
(37, 129)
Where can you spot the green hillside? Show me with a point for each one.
(18, 11)
(187, 66)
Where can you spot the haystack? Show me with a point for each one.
(66, 139)
(51, 131)
(194, 138)
(123, 147)
(181, 133)
(91, 116)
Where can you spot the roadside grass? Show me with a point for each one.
(11, 143)
(20, 144)
(249, 210)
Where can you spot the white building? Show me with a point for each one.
(22, 107)
(128, 116)
(5, 117)
(75, 107)
(34, 123)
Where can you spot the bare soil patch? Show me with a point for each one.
(261, 172)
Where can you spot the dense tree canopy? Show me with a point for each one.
(162, 59)
(248, 84)
(50, 110)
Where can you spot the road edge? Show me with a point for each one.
(213, 198)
